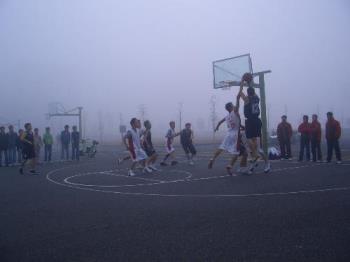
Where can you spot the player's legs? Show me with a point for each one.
(229, 167)
(215, 156)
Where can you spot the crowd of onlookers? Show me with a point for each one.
(12, 142)
(311, 136)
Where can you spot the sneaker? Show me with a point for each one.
(147, 170)
(244, 171)
(21, 170)
(229, 170)
(173, 163)
(267, 167)
(153, 167)
(163, 164)
(253, 165)
(131, 173)
(191, 163)
(339, 162)
(33, 172)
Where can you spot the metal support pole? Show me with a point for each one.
(80, 123)
(263, 113)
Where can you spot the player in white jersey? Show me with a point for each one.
(132, 141)
(231, 141)
(170, 150)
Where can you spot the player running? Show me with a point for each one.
(28, 149)
(170, 135)
(186, 138)
(253, 123)
(132, 141)
(148, 145)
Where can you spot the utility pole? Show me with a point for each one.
(180, 114)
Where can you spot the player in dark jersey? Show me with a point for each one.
(148, 145)
(28, 149)
(253, 124)
(186, 138)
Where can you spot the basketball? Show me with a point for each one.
(247, 77)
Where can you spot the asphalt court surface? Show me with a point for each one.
(92, 211)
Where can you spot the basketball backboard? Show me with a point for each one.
(228, 72)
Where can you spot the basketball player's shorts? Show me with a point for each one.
(28, 152)
(189, 148)
(149, 151)
(230, 143)
(137, 154)
(253, 127)
(169, 148)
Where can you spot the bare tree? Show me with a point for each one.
(213, 113)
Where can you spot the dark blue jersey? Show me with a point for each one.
(252, 109)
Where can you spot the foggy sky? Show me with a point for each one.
(112, 56)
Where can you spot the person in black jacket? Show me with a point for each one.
(19, 146)
(65, 141)
(75, 143)
(3, 146)
(11, 151)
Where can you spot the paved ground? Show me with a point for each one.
(91, 211)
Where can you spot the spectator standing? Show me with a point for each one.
(3, 146)
(11, 151)
(48, 142)
(75, 143)
(284, 135)
(316, 139)
(304, 129)
(65, 141)
(333, 133)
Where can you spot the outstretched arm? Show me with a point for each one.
(241, 94)
(219, 124)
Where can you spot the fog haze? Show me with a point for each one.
(110, 57)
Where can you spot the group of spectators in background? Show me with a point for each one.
(12, 142)
(311, 135)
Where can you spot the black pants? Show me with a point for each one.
(48, 152)
(316, 150)
(333, 144)
(304, 145)
(285, 148)
(64, 151)
(75, 152)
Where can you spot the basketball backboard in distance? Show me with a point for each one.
(228, 72)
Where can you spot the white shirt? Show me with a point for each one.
(233, 121)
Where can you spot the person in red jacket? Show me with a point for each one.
(333, 133)
(304, 129)
(284, 135)
(316, 139)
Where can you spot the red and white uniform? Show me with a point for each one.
(134, 144)
(169, 139)
(231, 140)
